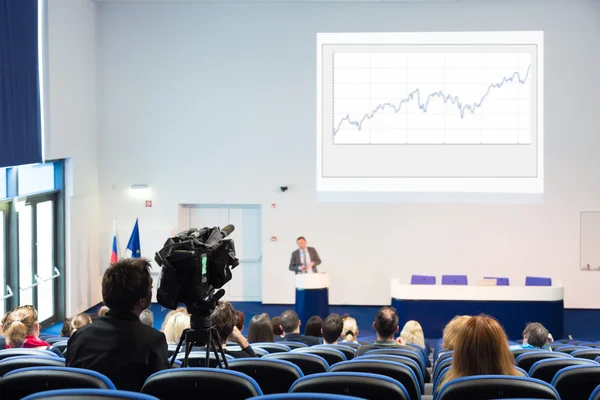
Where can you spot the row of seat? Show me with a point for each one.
(463, 280)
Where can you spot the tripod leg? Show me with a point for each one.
(181, 341)
(207, 346)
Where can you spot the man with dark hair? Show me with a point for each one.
(305, 259)
(290, 323)
(118, 344)
(332, 328)
(277, 329)
(223, 319)
(385, 325)
(535, 336)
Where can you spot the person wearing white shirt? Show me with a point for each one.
(305, 259)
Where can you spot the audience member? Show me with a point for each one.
(350, 330)
(118, 345)
(147, 318)
(22, 329)
(385, 325)
(332, 328)
(290, 323)
(536, 336)
(102, 311)
(176, 321)
(260, 329)
(2, 338)
(223, 319)
(278, 333)
(239, 320)
(67, 328)
(451, 331)
(344, 316)
(481, 348)
(79, 321)
(314, 327)
(412, 333)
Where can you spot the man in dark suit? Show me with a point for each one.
(304, 259)
(291, 326)
(118, 344)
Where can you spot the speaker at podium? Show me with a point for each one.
(312, 295)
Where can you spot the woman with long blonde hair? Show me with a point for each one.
(451, 331)
(412, 333)
(350, 330)
(481, 348)
(79, 321)
(175, 323)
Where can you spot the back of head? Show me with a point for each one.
(79, 321)
(386, 322)
(175, 323)
(481, 349)
(126, 282)
(18, 324)
(290, 321)
(239, 320)
(314, 326)
(260, 329)
(536, 335)
(332, 328)
(67, 328)
(276, 325)
(223, 319)
(350, 330)
(147, 318)
(452, 329)
(412, 333)
(102, 311)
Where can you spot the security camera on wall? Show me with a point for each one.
(283, 188)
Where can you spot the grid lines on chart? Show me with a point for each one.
(432, 98)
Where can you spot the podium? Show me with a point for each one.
(312, 295)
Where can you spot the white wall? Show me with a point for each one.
(72, 134)
(215, 103)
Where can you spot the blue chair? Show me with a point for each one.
(271, 347)
(499, 281)
(305, 396)
(570, 349)
(25, 381)
(198, 359)
(308, 363)
(526, 360)
(415, 355)
(409, 362)
(61, 345)
(496, 387)
(350, 344)
(595, 394)
(348, 351)
(12, 363)
(537, 281)
(439, 367)
(332, 356)
(438, 379)
(454, 280)
(400, 372)
(590, 354)
(546, 369)
(422, 280)
(575, 382)
(257, 350)
(6, 353)
(203, 383)
(273, 376)
(89, 394)
(359, 384)
(294, 345)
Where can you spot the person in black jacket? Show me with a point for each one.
(290, 322)
(118, 344)
(223, 319)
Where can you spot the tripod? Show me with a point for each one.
(203, 334)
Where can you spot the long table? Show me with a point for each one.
(514, 306)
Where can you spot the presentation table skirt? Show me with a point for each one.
(312, 296)
(514, 306)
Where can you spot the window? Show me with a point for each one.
(45, 258)
(26, 282)
(35, 178)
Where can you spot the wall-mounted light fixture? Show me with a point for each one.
(140, 191)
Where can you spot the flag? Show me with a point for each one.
(114, 256)
(133, 247)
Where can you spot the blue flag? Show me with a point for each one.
(134, 242)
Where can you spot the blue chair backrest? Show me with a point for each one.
(305, 396)
(359, 384)
(526, 360)
(546, 369)
(496, 387)
(414, 365)
(18, 362)
(499, 281)
(89, 394)
(537, 281)
(201, 383)
(331, 355)
(590, 354)
(422, 280)
(454, 280)
(272, 347)
(308, 363)
(577, 382)
(272, 375)
(595, 394)
(5, 353)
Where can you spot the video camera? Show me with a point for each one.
(195, 266)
